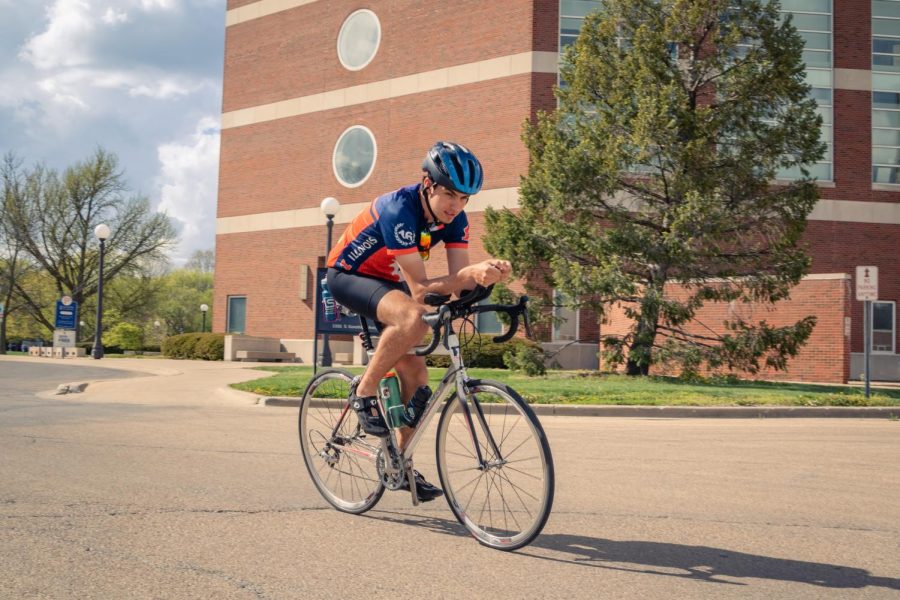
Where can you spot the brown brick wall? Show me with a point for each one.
(841, 247)
(286, 164)
(853, 148)
(825, 358)
(293, 53)
(852, 30)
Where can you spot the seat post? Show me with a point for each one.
(365, 336)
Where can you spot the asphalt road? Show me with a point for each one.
(132, 500)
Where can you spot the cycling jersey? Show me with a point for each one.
(391, 225)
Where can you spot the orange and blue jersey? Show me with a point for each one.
(393, 224)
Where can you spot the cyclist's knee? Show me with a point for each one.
(413, 322)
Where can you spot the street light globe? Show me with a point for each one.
(330, 206)
(204, 308)
(156, 323)
(102, 231)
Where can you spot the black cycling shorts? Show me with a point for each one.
(361, 293)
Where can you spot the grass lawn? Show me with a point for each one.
(591, 387)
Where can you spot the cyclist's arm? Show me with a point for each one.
(466, 277)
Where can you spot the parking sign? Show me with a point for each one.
(866, 283)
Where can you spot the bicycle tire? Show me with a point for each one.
(341, 465)
(525, 491)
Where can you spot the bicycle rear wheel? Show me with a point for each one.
(504, 496)
(339, 456)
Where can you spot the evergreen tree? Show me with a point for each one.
(659, 167)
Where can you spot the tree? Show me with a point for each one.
(15, 266)
(658, 167)
(202, 260)
(53, 218)
(183, 293)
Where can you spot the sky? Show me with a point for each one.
(140, 78)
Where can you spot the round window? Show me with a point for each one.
(358, 39)
(354, 156)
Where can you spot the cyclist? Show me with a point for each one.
(377, 269)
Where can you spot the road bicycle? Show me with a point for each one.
(493, 458)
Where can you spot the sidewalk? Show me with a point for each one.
(165, 381)
(206, 383)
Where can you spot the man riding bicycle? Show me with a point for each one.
(377, 269)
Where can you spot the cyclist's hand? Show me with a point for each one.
(504, 266)
(488, 273)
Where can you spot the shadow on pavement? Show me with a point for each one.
(673, 560)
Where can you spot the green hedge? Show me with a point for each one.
(480, 351)
(202, 346)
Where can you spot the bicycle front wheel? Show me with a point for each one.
(495, 465)
(339, 456)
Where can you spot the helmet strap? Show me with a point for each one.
(427, 196)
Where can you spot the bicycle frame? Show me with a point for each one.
(455, 376)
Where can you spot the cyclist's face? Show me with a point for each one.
(447, 203)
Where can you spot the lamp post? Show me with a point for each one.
(80, 331)
(102, 233)
(203, 309)
(330, 207)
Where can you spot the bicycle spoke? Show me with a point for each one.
(517, 489)
(513, 451)
(523, 473)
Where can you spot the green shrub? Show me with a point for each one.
(480, 351)
(202, 346)
(151, 348)
(210, 346)
(524, 358)
(126, 336)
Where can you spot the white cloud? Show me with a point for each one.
(113, 16)
(135, 77)
(159, 4)
(65, 42)
(188, 184)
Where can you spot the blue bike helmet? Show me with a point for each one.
(454, 166)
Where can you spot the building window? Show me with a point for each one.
(571, 16)
(884, 325)
(358, 39)
(237, 314)
(488, 322)
(354, 156)
(886, 91)
(565, 319)
(812, 18)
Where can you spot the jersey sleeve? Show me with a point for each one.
(458, 232)
(398, 226)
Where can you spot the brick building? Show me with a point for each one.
(342, 99)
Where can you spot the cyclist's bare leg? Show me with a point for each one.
(413, 372)
(404, 328)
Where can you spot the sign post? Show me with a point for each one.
(344, 324)
(866, 292)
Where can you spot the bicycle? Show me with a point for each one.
(493, 457)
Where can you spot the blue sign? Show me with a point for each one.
(66, 314)
(343, 324)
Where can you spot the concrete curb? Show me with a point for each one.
(683, 412)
